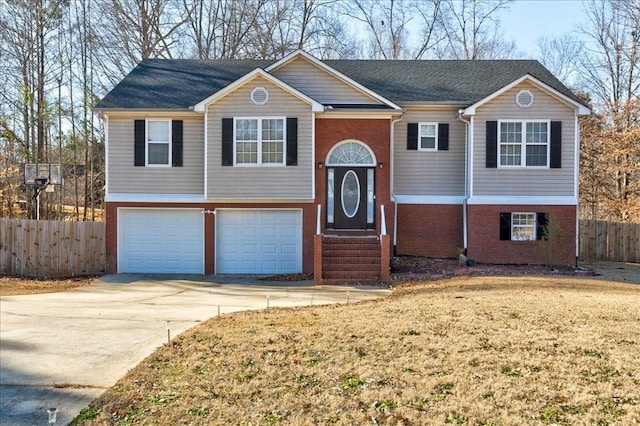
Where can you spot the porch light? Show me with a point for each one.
(320, 164)
(380, 164)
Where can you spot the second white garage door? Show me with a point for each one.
(265, 241)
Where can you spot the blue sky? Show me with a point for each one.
(527, 20)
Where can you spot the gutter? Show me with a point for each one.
(466, 179)
(391, 182)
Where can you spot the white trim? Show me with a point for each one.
(106, 155)
(523, 200)
(261, 89)
(335, 73)
(523, 144)
(154, 198)
(261, 201)
(313, 155)
(119, 233)
(576, 159)
(169, 141)
(525, 92)
(206, 152)
(533, 227)
(471, 154)
(346, 141)
(429, 199)
(425, 123)
(578, 107)
(259, 142)
(358, 114)
(202, 105)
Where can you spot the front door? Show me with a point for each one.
(350, 197)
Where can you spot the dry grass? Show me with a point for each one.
(13, 286)
(473, 351)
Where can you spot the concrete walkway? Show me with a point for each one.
(64, 349)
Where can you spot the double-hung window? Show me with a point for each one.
(523, 226)
(428, 137)
(524, 143)
(259, 141)
(158, 143)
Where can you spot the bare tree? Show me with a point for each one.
(610, 68)
(561, 55)
(472, 30)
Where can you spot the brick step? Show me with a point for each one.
(336, 240)
(339, 281)
(352, 267)
(345, 247)
(345, 260)
(350, 253)
(350, 276)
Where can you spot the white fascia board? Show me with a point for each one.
(578, 107)
(258, 72)
(317, 62)
(523, 200)
(154, 198)
(359, 114)
(429, 199)
(261, 200)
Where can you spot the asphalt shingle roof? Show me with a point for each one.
(181, 83)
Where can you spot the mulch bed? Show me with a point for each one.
(416, 268)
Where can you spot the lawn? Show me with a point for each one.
(470, 350)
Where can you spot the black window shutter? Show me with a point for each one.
(505, 226)
(292, 141)
(176, 143)
(227, 141)
(138, 142)
(492, 145)
(412, 136)
(556, 145)
(443, 137)
(541, 223)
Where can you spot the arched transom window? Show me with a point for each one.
(351, 153)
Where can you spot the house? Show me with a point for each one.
(303, 165)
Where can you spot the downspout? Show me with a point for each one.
(392, 185)
(466, 178)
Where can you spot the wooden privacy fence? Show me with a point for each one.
(617, 242)
(48, 248)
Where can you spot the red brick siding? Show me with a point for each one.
(429, 230)
(485, 245)
(308, 229)
(376, 134)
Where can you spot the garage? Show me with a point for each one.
(258, 241)
(161, 241)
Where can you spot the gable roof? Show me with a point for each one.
(162, 84)
(258, 72)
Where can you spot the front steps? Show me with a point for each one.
(350, 259)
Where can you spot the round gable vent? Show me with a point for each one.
(259, 96)
(524, 99)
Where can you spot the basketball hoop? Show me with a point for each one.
(42, 177)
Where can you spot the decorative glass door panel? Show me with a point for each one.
(350, 197)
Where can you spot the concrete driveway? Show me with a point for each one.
(64, 349)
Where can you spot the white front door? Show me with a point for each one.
(258, 241)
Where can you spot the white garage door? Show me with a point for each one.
(161, 241)
(258, 241)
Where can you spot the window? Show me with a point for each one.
(524, 143)
(523, 226)
(158, 142)
(259, 141)
(428, 137)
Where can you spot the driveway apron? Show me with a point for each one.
(64, 349)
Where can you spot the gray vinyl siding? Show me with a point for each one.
(259, 182)
(124, 177)
(319, 84)
(524, 181)
(429, 173)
